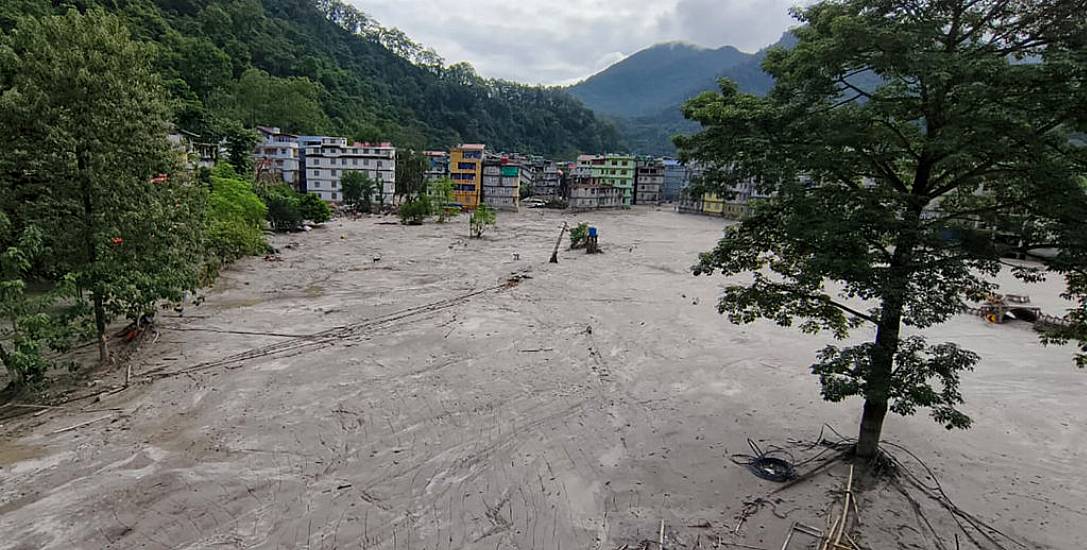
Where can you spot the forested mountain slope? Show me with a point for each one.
(321, 66)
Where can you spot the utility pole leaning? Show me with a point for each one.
(555, 253)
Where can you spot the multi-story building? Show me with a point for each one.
(738, 205)
(194, 153)
(648, 181)
(689, 203)
(592, 193)
(584, 166)
(548, 184)
(466, 171)
(712, 205)
(438, 165)
(329, 158)
(675, 179)
(618, 171)
(503, 180)
(278, 155)
(492, 176)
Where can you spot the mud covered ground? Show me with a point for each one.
(422, 400)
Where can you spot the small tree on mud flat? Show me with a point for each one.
(898, 135)
(415, 211)
(358, 190)
(481, 219)
(441, 199)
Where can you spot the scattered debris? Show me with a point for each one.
(516, 278)
(272, 258)
(81, 424)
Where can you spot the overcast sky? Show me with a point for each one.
(563, 41)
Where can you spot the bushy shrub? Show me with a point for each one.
(234, 216)
(313, 209)
(579, 235)
(415, 211)
(288, 209)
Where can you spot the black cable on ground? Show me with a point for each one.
(766, 466)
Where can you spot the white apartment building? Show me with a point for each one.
(329, 158)
(278, 154)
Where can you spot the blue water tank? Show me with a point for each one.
(592, 231)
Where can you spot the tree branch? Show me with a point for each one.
(851, 311)
(902, 137)
(860, 92)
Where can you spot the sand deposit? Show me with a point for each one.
(390, 387)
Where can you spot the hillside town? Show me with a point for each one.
(504, 181)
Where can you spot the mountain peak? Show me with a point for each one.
(662, 74)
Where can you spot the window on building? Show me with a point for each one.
(334, 172)
(366, 162)
(335, 196)
(355, 162)
(316, 172)
(379, 164)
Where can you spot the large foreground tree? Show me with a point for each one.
(902, 142)
(87, 161)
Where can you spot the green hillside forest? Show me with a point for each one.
(322, 66)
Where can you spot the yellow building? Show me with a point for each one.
(712, 205)
(466, 171)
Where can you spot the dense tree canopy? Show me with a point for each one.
(87, 163)
(891, 197)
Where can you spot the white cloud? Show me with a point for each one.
(537, 41)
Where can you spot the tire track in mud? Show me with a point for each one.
(304, 344)
(474, 460)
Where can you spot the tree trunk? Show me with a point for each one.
(100, 329)
(879, 379)
(89, 234)
(871, 428)
(887, 339)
